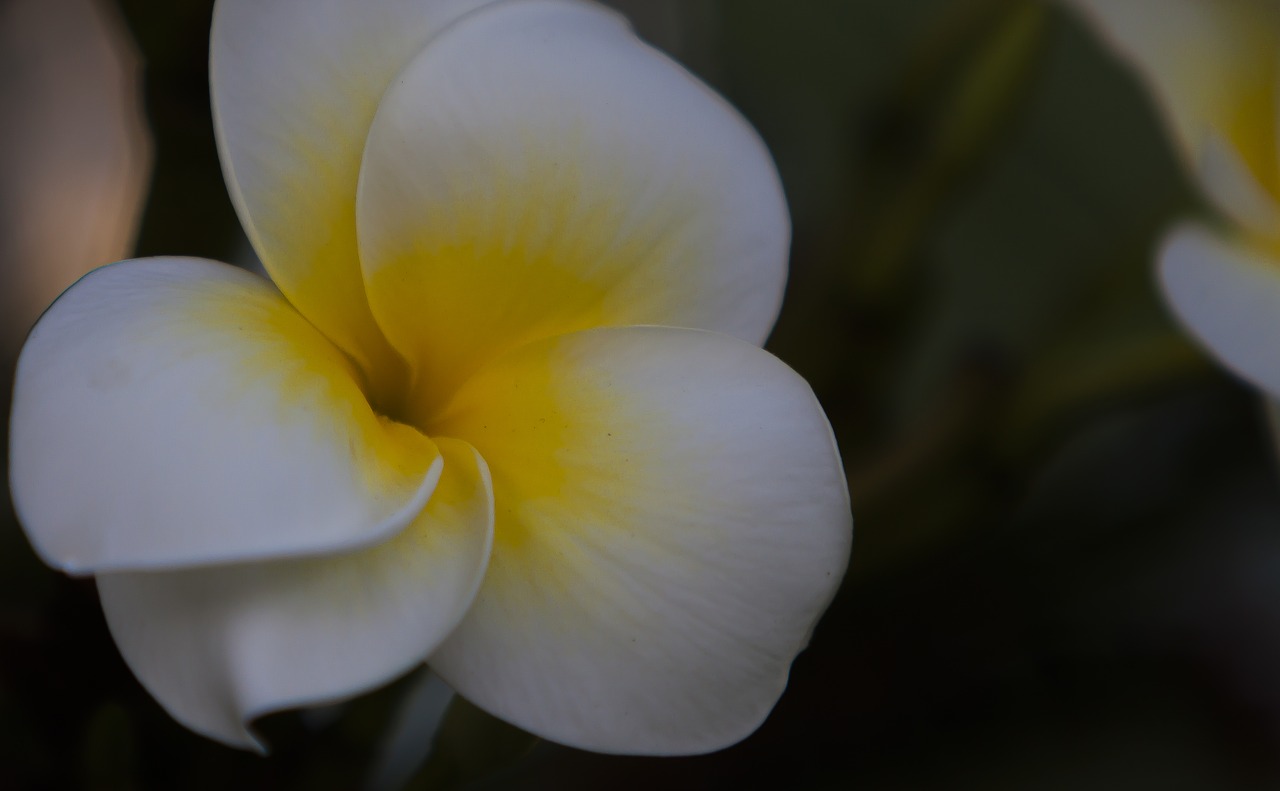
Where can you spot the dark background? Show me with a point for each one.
(1066, 562)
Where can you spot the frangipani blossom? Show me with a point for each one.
(1213, 67)
(506, 414)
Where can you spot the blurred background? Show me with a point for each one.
(1066, 563)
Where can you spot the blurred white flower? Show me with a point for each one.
(1213, 67)
(471, 427)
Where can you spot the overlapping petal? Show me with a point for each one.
(1227, 294)
(178, 411)
(220, 646)
(1214, 68)
(671, 521)
(538, 170)
(295, 87)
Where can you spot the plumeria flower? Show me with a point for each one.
(506, 413)
(1213, 67)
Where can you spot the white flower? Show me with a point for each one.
(1213, 67)
(450, 440)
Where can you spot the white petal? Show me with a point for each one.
(1212, 67)
(672, 519)
(1201, 58)
(295, 86)
(220, 646)
(539, 170)
(1228, 296)
(178, 411)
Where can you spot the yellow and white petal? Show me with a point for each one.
(172, 411)
(538, 170)
(1214, 68)
(218, 647)
(1236, 192)
(671, 521)
(295, 86)
(1228, 295)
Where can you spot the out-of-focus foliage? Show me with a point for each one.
(1066, 566)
